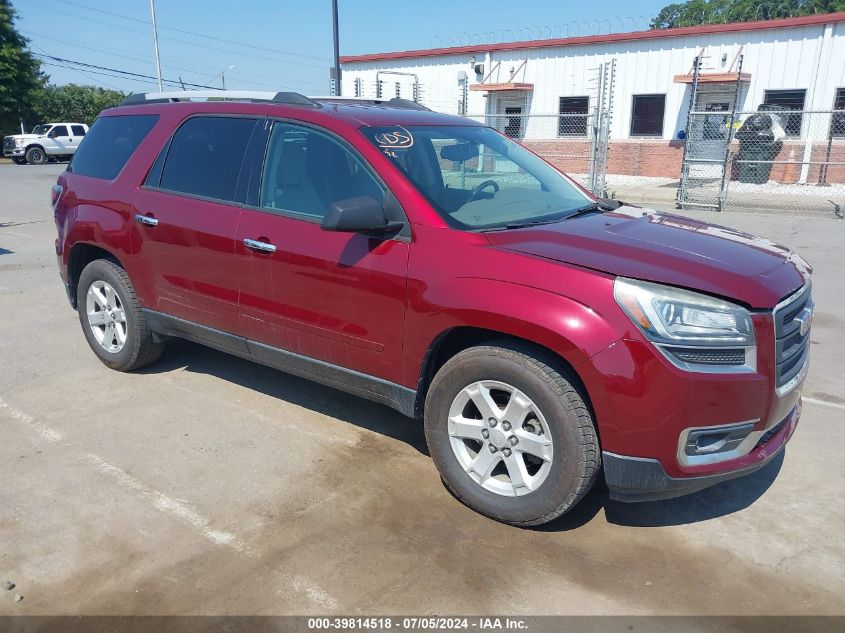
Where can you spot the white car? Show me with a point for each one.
(51, 140)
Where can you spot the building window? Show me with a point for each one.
(573, 116)
(837, 124)
(784, 100)
(647, 115)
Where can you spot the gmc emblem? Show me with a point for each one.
(805, 320)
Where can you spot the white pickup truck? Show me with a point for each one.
(51, 140)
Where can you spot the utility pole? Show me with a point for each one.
(155, 43)
(336, 50)
(223, 76)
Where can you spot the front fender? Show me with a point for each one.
(570, 328)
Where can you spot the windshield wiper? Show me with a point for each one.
(601, 205)
(520, 225)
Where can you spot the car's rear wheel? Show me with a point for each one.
(19, 160)
(511, 435)
(112, 320)
(36, 156)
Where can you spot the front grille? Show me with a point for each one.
(791, 347)
(8, 143)
(701, 356)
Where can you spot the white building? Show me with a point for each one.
(798, 63)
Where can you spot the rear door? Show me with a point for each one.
(77, 133)
(337, 297)
(186, 216)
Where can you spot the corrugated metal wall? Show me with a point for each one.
(806, 57)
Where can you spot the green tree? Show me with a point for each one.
(73, 103)
(20, 73)
(695, 12)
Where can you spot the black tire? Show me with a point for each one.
(140, 348)
(576, 455)
(36, 155)
(19, 160)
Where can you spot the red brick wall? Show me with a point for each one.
(642, 157)
(630, 157)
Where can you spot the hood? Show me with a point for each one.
(668, 249)
(28, 137)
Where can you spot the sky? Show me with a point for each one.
(281, 45)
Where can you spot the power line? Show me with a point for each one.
(151, 82)
(204, 70)
(81, 72)
(172, 39)
(116, 70)
(195, 34)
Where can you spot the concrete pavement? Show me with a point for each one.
(209, 485)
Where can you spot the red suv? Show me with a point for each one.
(429, 263)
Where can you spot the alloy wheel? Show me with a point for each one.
(106, 316)
(500, 438)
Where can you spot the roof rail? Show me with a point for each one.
(394, 102)
(287, 98)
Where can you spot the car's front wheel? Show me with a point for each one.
(510, 433)
(36, 156)
(111, 318)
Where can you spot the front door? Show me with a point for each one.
(186, 216)
(58, 141)
(336, 297)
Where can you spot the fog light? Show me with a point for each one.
(710, 441)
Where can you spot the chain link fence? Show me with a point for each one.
(574, 143)
(769, 160)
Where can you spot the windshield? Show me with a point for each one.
(41, 129)
(476, 178)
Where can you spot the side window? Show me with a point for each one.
(109, 144)
(58, 130)
(77, 130)
(306, 172)
(205, 156)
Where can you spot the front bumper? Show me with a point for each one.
(14, 152)
(632, 479)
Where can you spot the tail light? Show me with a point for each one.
(55, 195)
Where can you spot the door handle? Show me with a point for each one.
(262, 247)
(146, 220)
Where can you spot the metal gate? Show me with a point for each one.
(705, 167)
(576, 141)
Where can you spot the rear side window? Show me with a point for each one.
(205, 157)
(77, 130)
(109, 144)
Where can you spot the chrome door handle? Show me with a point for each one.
(146, 220)
(262, 247)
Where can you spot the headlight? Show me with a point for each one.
(19, 142)
(694, 331)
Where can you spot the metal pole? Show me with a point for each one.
(336, 50)
(223, 79)
(155, 43)
(726, 167)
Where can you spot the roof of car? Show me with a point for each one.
(352, 111)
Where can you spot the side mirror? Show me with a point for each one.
(358, 215)
(459, 152)
(52, 134)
